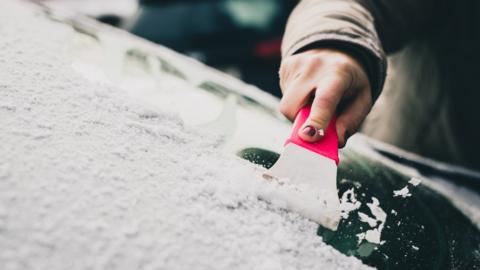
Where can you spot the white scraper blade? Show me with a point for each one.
(315, 180)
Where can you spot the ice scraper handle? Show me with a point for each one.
(327, 146)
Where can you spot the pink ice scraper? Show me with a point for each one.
(312, 169)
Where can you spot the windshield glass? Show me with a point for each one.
(422, 230)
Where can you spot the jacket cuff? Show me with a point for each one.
(372, 58)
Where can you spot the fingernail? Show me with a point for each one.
(321, 132)
(309, 131)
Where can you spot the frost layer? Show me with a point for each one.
(90, 179)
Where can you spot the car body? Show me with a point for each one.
(436, 227)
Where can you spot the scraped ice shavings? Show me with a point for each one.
(377, 222)
(349, 203)
(404, 192)
(372, 222)
(111, 184)
(415, 181)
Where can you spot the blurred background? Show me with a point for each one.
(240, 37)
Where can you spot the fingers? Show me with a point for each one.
(298, 84)
(295, 98)
(328, 94)
(331, 78)
(351, 118)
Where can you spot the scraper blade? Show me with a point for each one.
(313, 168)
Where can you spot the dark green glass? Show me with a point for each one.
(427, 232)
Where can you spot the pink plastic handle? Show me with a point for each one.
(327, 146)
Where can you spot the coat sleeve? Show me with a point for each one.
(363, 28)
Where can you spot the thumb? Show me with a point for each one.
(327, 96)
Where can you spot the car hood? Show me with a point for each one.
(434, 224)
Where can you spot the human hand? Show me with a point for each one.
(335, 81)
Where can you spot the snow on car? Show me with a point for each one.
(117, 153)
(92, 178)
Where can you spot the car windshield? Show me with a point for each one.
(423, 229)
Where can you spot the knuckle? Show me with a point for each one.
(341, 74)
(288, 64)
(341, 63)
(290, 68)
(312, 64)
(319, 120)
(343, 68)
(323, 101)
(315, 61)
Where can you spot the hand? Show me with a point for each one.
(336, 82)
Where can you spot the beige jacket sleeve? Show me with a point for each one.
(340, 24)
(363, 27)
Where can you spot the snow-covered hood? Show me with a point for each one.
(92, 178)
